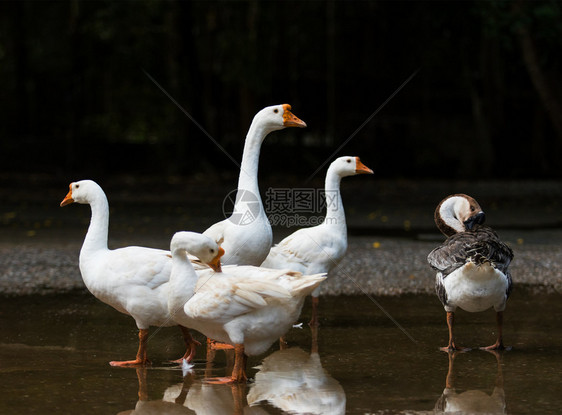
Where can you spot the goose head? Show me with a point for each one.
(277, 117)
(349, 166)
(199, 245)
(81, 192)
(458, 213)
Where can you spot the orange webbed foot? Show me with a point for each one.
(227, 380)
(453, 348)
(215, 345)
(496, 347)
(130, 363)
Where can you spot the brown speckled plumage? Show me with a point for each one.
(482, 244)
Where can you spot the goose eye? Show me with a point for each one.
(275, 110)
(212, 251)
(77, 186)
(349, 160)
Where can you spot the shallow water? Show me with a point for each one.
(54, 354)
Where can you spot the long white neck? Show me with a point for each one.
(96, 237)
(335, 215)
(182, 281)
(248, 179)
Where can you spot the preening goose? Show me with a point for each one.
(134, 280)
(472, 264)
(245, 306)
(319, 248)
(246, 235)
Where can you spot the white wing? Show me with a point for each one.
(308, 250)
(222, 298)
(136, 265)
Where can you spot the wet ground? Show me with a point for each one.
(54, 357)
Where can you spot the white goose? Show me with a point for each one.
(134, 280)
(472, 264)
(246, 235)
(319, 248)
(247, 307)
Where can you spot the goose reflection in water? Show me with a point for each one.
(471, 401)
(193, 397)
(295, 381)
(210, 399)
(144, 406)
(289, 379)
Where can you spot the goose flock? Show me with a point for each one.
(230, 284)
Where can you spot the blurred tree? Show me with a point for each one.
(542, 21)
(535, 28)
(486, 101)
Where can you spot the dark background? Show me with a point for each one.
(78, 102)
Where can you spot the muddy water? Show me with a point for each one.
(54, 354)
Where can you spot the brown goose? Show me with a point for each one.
(472, 264)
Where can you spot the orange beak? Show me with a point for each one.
(289, 119)
(68, 198)
(215, 263)
(360, 168)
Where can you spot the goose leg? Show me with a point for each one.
(451, 346)
(210, 359)
(498, 345)
(215, 345)
(141, 359)
(239, 370)
(190, 343)
(314, 317)
(240, 360)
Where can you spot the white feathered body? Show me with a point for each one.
(133, 280)
(245, 243)
(309, 250)
(472, 271)
(475, 288)
(242, 305)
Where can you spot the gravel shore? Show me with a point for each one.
(389, 236)
(377, 266)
